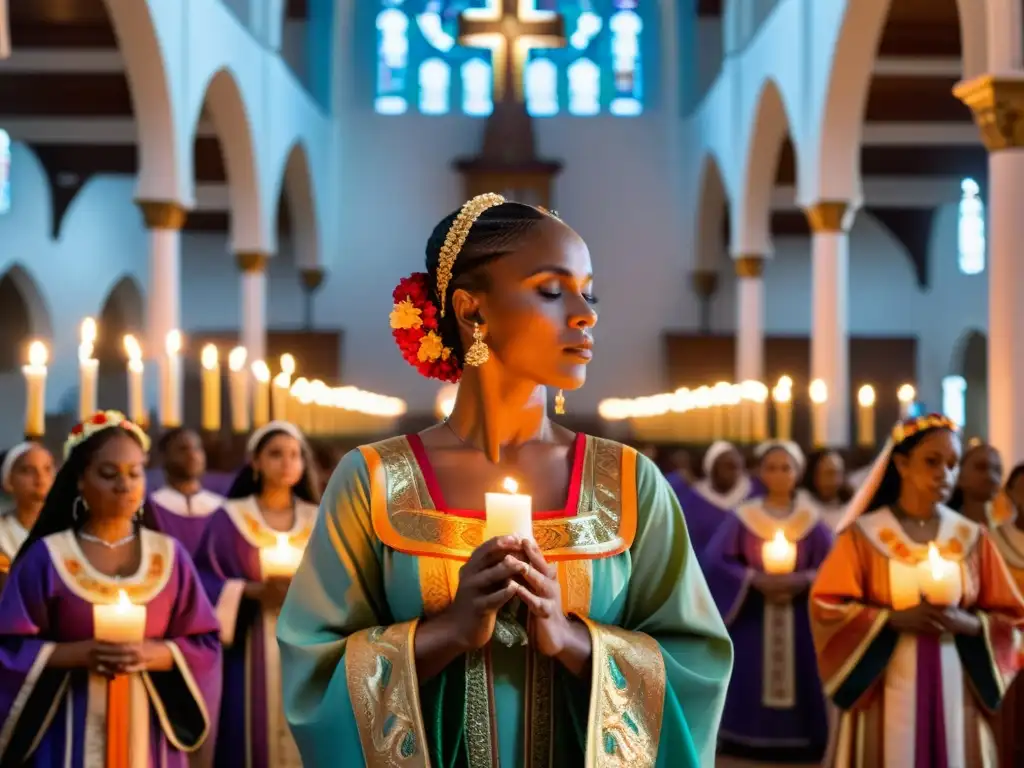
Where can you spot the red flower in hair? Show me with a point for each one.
(77, 429)
(99, 418)
(414, 326)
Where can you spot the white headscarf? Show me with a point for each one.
(718, 449)
(10, 459)
(737, 494)
(789, 447)
(866, 491)
(273, 426)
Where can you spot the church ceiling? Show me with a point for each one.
(51, 107)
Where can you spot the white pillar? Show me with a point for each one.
(997, 103)
(749, 317)
(253, 334)
(830, 223)
(164, 221)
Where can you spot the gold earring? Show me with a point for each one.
(560, 403)
(479, 353)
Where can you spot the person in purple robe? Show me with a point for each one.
(248, 555)
(108, 643)
(709, 501)
(26, 475)
(183, 507)
(760, 564)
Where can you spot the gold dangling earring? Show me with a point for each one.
(560, 404)
(479, 353)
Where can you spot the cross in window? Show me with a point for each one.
(510, 29)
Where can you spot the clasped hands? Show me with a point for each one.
(112, 659)
(781, 587)
(497, 571)
(927, 619)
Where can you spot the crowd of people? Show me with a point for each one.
(784, 611)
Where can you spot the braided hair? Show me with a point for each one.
(492, 236)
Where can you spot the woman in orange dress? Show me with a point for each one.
(913, 615)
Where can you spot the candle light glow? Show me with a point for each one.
(778, 555)
(818, 392)
(239, 385)
(88, 370)
(261, 402)
(939, 579)
(120, 622)
(281, 559)
(35, 389)
(508, 513)
(170, 409)
(136, 398)
(906, 395)
(211, 406)
(866, 416)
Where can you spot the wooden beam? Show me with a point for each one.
(901, 98)
(59, 94)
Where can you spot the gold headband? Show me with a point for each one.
(909, 428)
(456, 238)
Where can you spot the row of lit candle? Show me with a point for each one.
(254, 397)
(739, 412)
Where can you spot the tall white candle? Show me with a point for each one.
(261, 400)
(35, 389)
(136, 396)
(210, 419)
(120, 622)
(866, 416)
(509, 513)
(170, 405)
(239, 390)
(818, 392)
(88, 370)
(782, 396)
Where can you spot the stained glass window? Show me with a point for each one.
(971, 229)
(420, 66)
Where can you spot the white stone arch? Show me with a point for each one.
(229, 113)
(297, 181)
(974, 44)
(769, 125)
(164, 166)
(712, 208)
(39, 316)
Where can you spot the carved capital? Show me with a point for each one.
(251, 261)
(704, 283)
(749, 265)
(830, 216)
(312, 278)
(161, 214)
(997, 103)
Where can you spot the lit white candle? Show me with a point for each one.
(866, 416)
(239, 390)
(88, 370)
(211, 389)
(759, 406)
(906, 395)
(939, 579)
(818, 392)
(281, 391)
(281, 559)
(261, 401)
(509, 513)
(35, 389)
(136, 396)
(782, 396)
(120, 622)
(301, 404)
(779, 554)
(170, 405)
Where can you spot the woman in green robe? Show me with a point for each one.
(411, 638)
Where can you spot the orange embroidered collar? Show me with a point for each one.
(956, 537)
(795, 526)
(248, 519)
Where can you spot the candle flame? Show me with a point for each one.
(936, 562)
(173, 342)
(209, 357)
(88, 338)
(282, 541)
(123, 603)
(132, 348)
(781, 394)
(236, 358)
(785, 382)
(866, 396)
(282, 380)
(818, 392)
(260, 371)
(287, 364)
(779, 545)
(510, 485)
(906, 394)
(38, 355)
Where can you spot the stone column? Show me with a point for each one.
(253, 335)
(312, 279)
(830, 222)
(705, 284)
(749, 317)
(997, 103)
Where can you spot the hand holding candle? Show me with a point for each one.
(939, 579)
(509, 513)
(88, 370)
(211, 389)
(778, 555)
(35, 389)
(280, 560)
(122, 622)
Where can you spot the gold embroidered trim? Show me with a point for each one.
(181, 665)
(796, 526)
(95, 587)
(480, 738)
(956, 537)
(540, 711)
(245, 514)
(574, 577)
(627, 698)
(778, 675)
(25, 693)
(380, 670)
(434, 586)
(604, 525)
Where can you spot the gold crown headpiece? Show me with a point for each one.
(99, 422)
(910, 427)
(456, 238)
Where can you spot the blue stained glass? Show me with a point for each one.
(421, 66)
